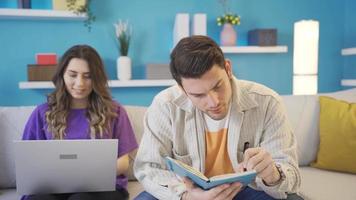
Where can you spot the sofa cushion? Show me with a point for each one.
(134, 188)
(136, 115)
(303, 113)
(346, 95)
(337, 149)
(320, 184)
(12, 123)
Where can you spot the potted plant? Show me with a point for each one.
(228, 35)
(82, 7)
(123, 35)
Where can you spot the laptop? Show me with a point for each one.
(65, 166)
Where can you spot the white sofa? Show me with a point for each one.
(303, 112)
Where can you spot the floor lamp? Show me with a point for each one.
(305, 57)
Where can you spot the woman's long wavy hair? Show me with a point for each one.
(101, 109)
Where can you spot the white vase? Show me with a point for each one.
(123, 65)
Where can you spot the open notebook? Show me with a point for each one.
(184, 170)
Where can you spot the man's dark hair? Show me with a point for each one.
(193, 56)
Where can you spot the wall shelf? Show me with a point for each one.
(254, 49)
(6, 13)
(348, 51)
(348, 82)
(112, 84)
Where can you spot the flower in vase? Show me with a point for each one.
(228, 17)
(123, 35)
(233, 19)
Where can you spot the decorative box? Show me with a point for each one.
(158, 71)
(46, 58)
(24, 4)
(262, 37)
(41, 72)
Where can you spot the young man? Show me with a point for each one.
(205, 120)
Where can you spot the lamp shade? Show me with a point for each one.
(306, 40)
(305, 57)
(305, 84)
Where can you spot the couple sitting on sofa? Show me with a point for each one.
(203, 121)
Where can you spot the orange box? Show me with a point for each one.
(46, 59)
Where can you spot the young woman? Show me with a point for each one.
(81, 107)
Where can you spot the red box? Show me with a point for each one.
(46, 59)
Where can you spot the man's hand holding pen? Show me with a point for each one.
(260, 160)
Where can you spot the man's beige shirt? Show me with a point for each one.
(174, 127)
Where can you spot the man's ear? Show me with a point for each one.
(228, 68)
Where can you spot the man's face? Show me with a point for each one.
(211, 93)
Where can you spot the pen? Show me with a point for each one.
(246, 146)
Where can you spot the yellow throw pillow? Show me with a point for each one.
(337, 125)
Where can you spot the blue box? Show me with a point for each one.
(262, 37)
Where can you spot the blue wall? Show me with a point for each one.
(152, 23)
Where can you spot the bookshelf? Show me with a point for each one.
(254, 49)
(165, 82)
(112, 84)
(8, 13)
